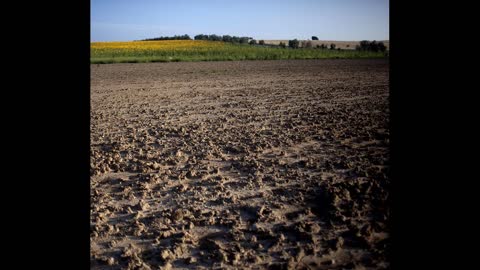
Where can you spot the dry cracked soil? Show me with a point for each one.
(240, 165)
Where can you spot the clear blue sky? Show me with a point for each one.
(123, 20)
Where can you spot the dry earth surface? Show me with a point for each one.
(240, 165)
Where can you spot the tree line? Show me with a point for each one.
(374, 46)
(182, 37)
(224, 38)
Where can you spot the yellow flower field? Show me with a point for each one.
(161, 50)
(162, 45)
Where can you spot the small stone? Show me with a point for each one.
(166, 234)
(111, 261)
(291, 263)
(339, 242)
(183, 188)
(167, 266)
(316, 228)
(166, 254)
(155, 166)
(177, 215)
(236, 258)
(328, 262)
(144, 205)
(300, 254)
(191, 173)
(113, 243)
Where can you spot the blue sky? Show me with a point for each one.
(123, 20)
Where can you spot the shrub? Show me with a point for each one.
(364, 45)
(227, 38)
(253, 42)
(332, 46)
(201, 37)
(306, 44)
(214, 38)
(244, 40)
(261, 42)
(314, 38)
(294, 44)
(382, 47)
(282, 45)
(373, 46)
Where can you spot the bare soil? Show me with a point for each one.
(240, 165)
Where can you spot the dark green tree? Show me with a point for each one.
(382, 47)
(294, 44)
(244, 40)
(227, 38)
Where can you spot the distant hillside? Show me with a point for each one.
(345, 45)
